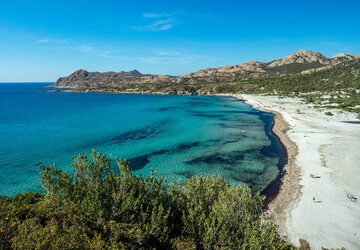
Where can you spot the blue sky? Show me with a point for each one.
(43, 40)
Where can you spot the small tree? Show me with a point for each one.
(99, 205)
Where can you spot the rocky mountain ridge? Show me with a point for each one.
(82, 78)
(301, 56)
(302, 61)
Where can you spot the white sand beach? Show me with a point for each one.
(329, 149)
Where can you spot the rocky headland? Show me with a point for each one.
(301, 62)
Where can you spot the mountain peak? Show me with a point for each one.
(80, 72)
(301, 56)
(343, 55)
(305, 52)
(302, 61)
(254, 63)
(135, 73)
(340, 55)
(306, 56)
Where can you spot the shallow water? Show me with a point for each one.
(180, 136)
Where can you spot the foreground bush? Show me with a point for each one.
(98, 207)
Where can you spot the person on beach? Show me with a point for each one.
(313, 199)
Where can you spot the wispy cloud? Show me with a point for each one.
(168, 52)
(85, 48)
(149, 56)
(163, 57)
(156, 26)
(46, 40)
(111, 54)
(152, 15)
(62, 41)
(158, 22)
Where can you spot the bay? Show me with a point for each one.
(179, 136)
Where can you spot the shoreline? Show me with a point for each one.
(286, 184)
(315, 209)
(272, 190)
(289, 189)
(289, 171)
(327, 147)
(275, 186)
(286, 187)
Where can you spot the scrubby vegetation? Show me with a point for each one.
(329, 113)
(98, 206)
(337, 87)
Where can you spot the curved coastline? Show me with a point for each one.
(272, 190)
(325, 146)
(282, 192)
(289, 187)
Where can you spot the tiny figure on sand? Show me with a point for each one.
(314, 176)
(351, 197)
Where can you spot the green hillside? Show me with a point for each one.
(337, 87)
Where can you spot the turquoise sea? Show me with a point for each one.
(180, 136)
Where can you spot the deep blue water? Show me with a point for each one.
(180, 136)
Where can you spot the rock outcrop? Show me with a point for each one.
(302, 56)
(81, 78)
(302, 61)
(228, 73)
(342, 57)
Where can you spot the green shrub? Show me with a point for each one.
(304, 245)
(97, 206)
(329, 113)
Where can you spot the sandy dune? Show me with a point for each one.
(329, 149)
